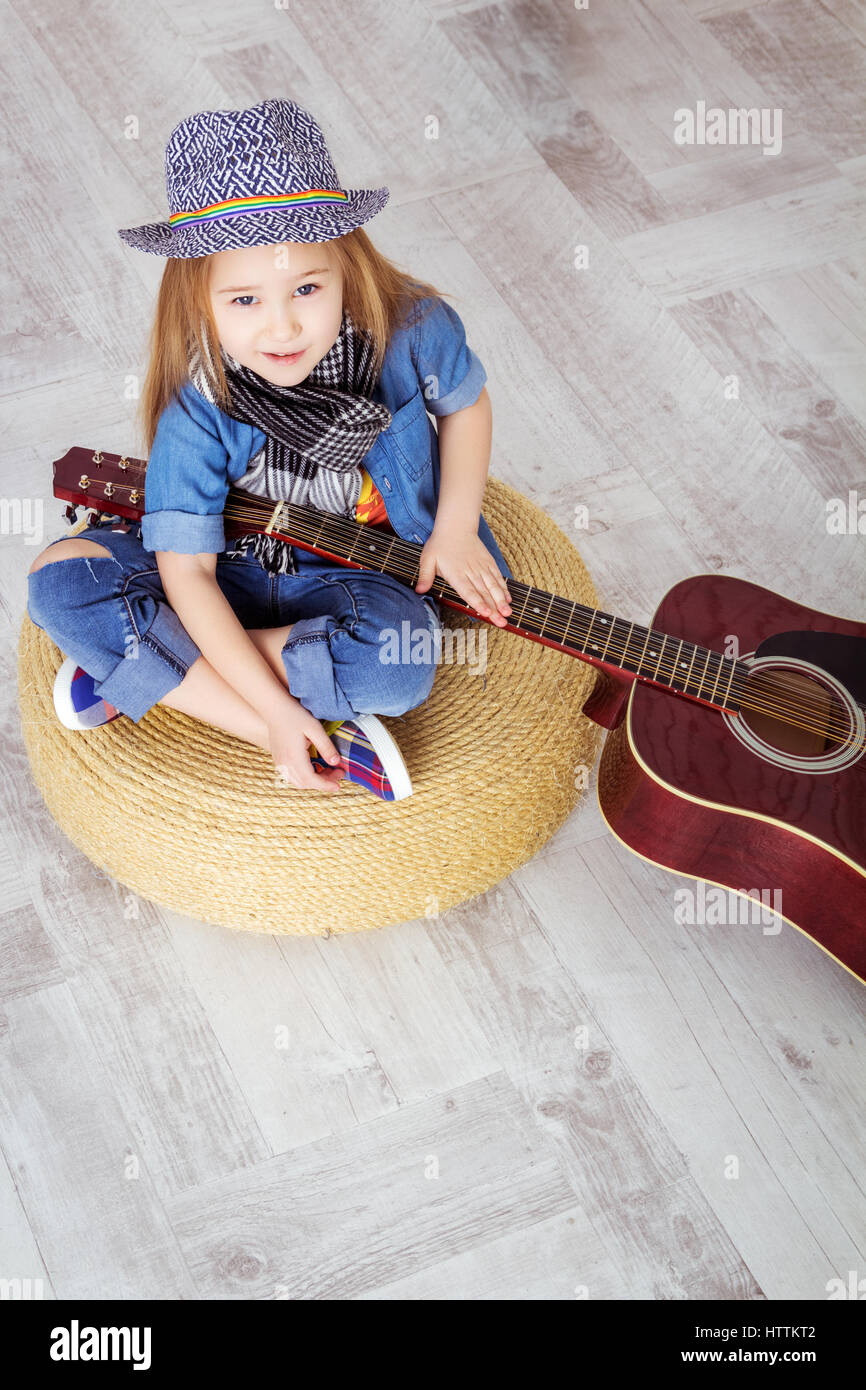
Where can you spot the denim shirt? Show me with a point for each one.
(199, 452)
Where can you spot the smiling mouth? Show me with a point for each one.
(284, 356)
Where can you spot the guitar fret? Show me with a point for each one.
(388, 556)
(547, 615)
(531, 620)
(579, 612)
(358, 536)
(703, 677)
(676, 659)
(609, 635)
(667, 676)
(634, 663)
(567, 623)
(716, 681)
(689, 671)
(730, 682)
(529, 590)
(661, 657)
(643, 652)
(615, 640)
(624, 656)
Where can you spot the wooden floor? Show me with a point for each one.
(559, 1092)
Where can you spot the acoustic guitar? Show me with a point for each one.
(736, 722)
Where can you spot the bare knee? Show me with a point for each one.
(64, 550)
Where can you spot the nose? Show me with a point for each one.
(284, 327)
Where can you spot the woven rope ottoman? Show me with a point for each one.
(195, 819)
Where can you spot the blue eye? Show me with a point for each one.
(238, 298)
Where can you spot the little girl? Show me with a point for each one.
(289, 358)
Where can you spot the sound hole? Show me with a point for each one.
(795, 713)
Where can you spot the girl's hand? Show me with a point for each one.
(464, 561)
(290, 734)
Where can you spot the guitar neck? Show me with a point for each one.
(115, 486)
(590, 634)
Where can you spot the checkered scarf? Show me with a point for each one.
(317, 434)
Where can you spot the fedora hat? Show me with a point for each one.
(251, 178)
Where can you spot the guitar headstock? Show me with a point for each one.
(111, 483)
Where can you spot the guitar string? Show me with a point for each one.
(766, 684)
(254, 511)
(405, 565)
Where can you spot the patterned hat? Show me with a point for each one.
(251, 178)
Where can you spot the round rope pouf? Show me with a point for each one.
(196, 820)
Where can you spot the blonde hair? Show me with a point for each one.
(376, 293)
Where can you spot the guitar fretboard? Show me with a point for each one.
(643, 652)
(96, 479)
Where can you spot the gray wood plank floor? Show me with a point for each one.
(559, 1091)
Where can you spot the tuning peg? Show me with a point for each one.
(97, 458)
(124, 463)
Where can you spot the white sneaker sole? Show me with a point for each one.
(388, 753)
(63, 706)
(62, 693)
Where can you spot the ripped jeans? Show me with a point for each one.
(110, 613)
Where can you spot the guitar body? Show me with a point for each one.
(741, 801)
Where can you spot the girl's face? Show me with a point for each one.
(280, 299)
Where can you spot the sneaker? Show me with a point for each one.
(368, 755)
(76, 702)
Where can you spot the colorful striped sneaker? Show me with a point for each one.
(76, 702)
(369, 756)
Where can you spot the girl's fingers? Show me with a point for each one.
(499, 595)
(474, 598)
(489, 608)
(485, 593)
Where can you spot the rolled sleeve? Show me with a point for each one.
(451, 374)
(188, 533)
(187, 480)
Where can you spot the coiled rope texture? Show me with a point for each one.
(194, 819)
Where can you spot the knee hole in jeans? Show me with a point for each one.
(65, 550)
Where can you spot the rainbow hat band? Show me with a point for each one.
(233, 206)
(251, 178)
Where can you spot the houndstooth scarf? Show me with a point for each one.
(317, 433)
